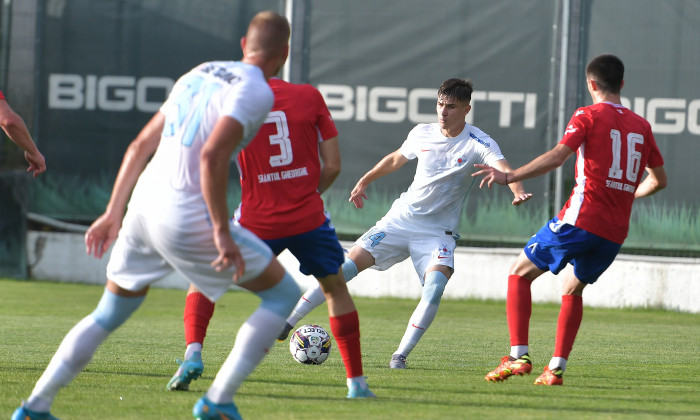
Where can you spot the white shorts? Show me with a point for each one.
(393, 239)
(147, 250)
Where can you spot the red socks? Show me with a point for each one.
(570, 316)
(518, 309)
(346, 330)
(198, 312)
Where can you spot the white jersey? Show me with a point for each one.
(198, 99)
(443, 173)
(167, 226)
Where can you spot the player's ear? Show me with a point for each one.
(243, 41)
(592, 85)
(467, 109)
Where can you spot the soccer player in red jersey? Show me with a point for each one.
(282, 179)
(613, 145)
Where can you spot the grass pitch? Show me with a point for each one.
(626, 364)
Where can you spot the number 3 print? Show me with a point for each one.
(280, 138)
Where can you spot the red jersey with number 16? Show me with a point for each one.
(280, 168)
(614, 146)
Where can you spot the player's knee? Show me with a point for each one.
(433, 287)
(282, 297)
(113, 310)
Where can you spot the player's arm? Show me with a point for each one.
(214, 172)
(519, 194)
(329, 151)
(655, 181)
(104, 230)
(540, 165)
(13, 125)
(390, 163)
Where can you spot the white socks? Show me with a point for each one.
(253, 341)
(517, 351)
(421, 319)
(557, 362)
(74, 353)
(191, 348)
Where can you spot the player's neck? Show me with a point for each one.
(269, 66)
(613, 98)
(453, 131)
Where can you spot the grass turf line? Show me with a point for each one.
(626, 364)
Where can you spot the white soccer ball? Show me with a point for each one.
(310, 345)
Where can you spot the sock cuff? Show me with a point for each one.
(198, 304)
(113, 310)
(572, 298)
(349, 269)
(344, 325)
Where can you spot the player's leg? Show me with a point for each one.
(594, 256)
(79, 345)
(434, 285)
(320, 254)
(543, 252)
(432, 251)
(345, 327)
(197, 314)
(518, 311)
(568, 323)
(381, 247)
(134, 264)
(278, 292)
(354, 263)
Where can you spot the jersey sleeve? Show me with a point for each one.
(324, 120)
(491, 152)
(2, 96)
(488, 149)
(408, 148)
(249, 104)
(575, 132)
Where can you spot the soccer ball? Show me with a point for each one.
(310, 345)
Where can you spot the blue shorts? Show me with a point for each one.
(318, 251)
(558, 243)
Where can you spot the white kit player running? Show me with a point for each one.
(178, 219)
(423, 222)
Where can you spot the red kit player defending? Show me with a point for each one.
(282, 179)
(613, 145)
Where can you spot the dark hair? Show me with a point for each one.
(459, 90)
(607, 71)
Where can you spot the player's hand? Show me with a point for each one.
(490, 175)
(520, 198)
(101, 234)
(37, 163)
(229, 255)
(358, 195)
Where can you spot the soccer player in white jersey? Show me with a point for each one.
(178, 219)
(613, 146)
(423, 222)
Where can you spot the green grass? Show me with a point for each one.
(627, 364)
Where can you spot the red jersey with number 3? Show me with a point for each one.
(280, 168)
(614, 146)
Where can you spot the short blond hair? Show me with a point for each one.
(268, 34)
